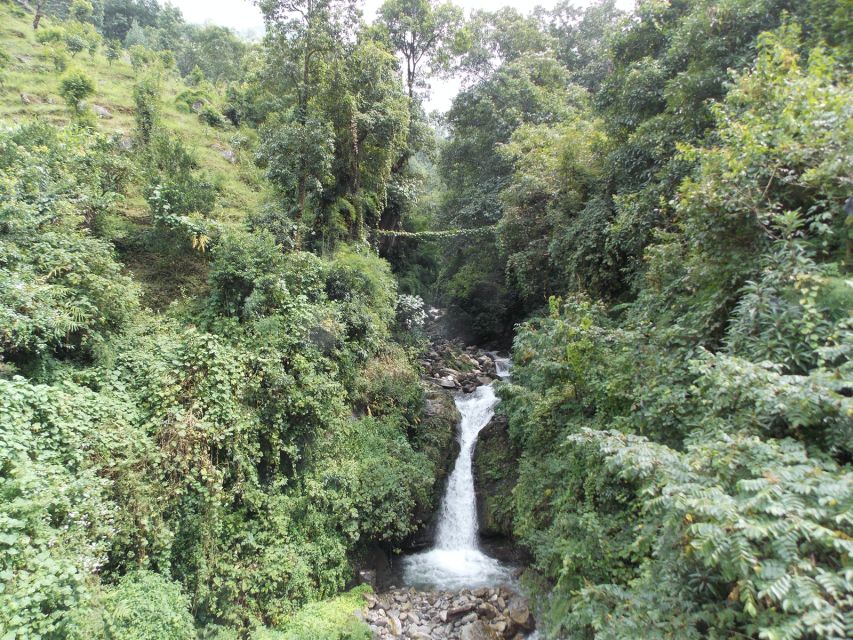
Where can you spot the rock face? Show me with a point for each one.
(495, 474)
(479, 614)
(437, 439)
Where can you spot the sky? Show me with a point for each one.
(244, 17)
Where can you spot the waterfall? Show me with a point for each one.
(456, 560)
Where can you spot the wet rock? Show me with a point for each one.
(469, 618)
(478, 631)
(519, 612)
(494, 479)
(367, 577)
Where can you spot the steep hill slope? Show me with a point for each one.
(30, 88)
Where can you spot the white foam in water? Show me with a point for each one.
(456, 562)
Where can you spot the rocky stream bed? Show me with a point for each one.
(468, 614)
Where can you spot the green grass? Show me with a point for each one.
(31, 72)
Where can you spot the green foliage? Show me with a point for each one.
(81, 10)
(74, 500)
(328, 620)
(273, 219)
(707, 520)
(61, 290)
(422, 31)
(135, 36)
(781, 128)
(187, 98)
(146, 97)
(113, 50)
(210, 116)
(212, 469)
(74, 88)
(217, 52)
(759, 525)
(142, 606)
(195, 77)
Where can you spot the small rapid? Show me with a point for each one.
(456, 560)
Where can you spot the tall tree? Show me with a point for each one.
(421, 31)
(300, 33)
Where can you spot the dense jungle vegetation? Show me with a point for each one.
(214, 257)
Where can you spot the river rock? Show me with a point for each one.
(448, 382)
(478, 631)
(461, 610)
(445, 615)
(519, 612)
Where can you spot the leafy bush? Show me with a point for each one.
(410, 312)
(212, 117)
(722, 509)
(146, 96)
(328, 620)
(273, 219)
(142, 606)
(757, 525)
(188, 97)
(61, 290)
(69, 453)
(75, 87)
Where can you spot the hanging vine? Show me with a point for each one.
(435, 235)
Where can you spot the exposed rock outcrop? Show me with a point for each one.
(437, 439)
(495, 474)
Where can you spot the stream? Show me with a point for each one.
(456, 560)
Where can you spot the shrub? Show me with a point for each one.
(410, 312)
(273, 219)
(212, 117)
(146, 97)
(58, 55)
(142, 606)
(328, 620)
(76, 293)
(140, 56)
(113, 50)
(75, 87)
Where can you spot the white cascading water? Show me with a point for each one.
(456, 561)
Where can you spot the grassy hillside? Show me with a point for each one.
(30, 89)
